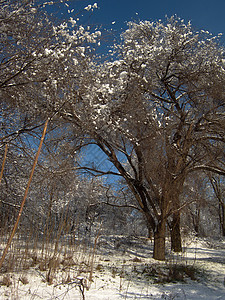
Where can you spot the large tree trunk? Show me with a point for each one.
(175, 234)
(222, 218)
(159, 241)
(176, 242)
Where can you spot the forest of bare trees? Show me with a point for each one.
(135, 138)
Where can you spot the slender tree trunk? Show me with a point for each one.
(176, 242)
(159, 241)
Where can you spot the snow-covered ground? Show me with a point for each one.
(122, 268)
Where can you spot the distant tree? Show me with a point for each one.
(218, 183)
(196, 205)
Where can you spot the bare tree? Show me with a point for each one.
(38, 55)
(156, 112)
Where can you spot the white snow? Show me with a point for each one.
(91, 7)
(88, 7)
(120, 272)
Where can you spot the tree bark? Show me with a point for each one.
(149, 231)
(174, 199)
(159, 241)
(176, 242)
(222, 218)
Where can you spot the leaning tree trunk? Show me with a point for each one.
(159, 241)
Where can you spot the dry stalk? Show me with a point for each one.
(93, 256)
(53, 260)
(25, 196)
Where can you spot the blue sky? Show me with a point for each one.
(204, 14)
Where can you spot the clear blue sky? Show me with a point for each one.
(204, 14)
